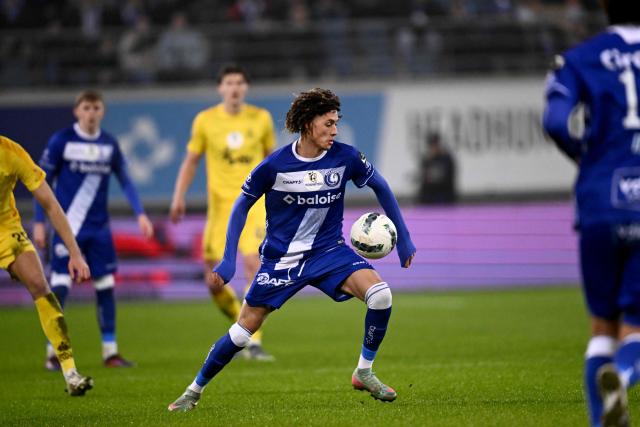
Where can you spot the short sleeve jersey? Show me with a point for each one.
(15, 164)
(232, 144)
(304, 200)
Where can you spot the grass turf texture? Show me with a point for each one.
(493, 358)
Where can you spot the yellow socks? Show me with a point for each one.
(256, 338)
(55, 329)
(228, 302)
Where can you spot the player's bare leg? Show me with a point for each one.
(254, 350)
(367, 286)
(28, 270)
(223, 296)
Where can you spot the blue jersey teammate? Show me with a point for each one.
(603, 74)
(79, 161)
(304, 185)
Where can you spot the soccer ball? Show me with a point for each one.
(373, 235)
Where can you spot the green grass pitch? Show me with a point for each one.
(490, 358)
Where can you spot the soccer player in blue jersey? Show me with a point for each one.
(603, 74)
(79, 161)
(304, 185)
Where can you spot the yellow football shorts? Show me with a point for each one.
(215, 232)
(13, 242)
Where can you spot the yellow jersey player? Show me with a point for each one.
(19, 258)
(234, 137)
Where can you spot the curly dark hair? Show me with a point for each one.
(307, 106)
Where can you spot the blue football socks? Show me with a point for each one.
(106, 305)
(220, 354)
(627, 360)
(61, 293)
(375, 327)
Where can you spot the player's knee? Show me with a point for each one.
(601, 346)
(58, 279)
(632, 317)
(104, 282)
(239, 335)
(378, 297)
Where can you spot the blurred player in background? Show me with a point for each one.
(19, 258)
(304, 185)
(79, 161)
(603, 73)
(234, 137)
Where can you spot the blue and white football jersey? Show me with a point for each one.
(603, 73)
(305, 200)
(81, 166)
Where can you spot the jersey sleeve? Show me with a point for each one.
(197, 143)
(563, 80)
(269, 141)
(563, 92)
(259, 181)
(129, 189)
(52, 157)
(361, 169)
(30, 174)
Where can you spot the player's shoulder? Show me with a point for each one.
(280, 154)
(344, 150)
(10, 151)
(108, 137)
(63, 135)
(9, 146)
(7, 143)
(256, 111)
(208, 113)
(593, 46)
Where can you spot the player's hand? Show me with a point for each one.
(177, 210)
(407, 263)
(216, 280)
(78, 268)
(145, 225)
(40, 235)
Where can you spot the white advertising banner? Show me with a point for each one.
(492, 127)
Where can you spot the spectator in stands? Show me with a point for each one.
(136, 52)
(182, 52)
(132, 11)
(19, 14)
(573, 20)
(94, 14)
(332, 16)
(251, 12)
(437, 173)
(419, 44)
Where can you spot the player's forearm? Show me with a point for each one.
(237, 219)
(185, 176)
(390, 206)
(38, 212)
(556, 123)
(130, 192)
(47, 200)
